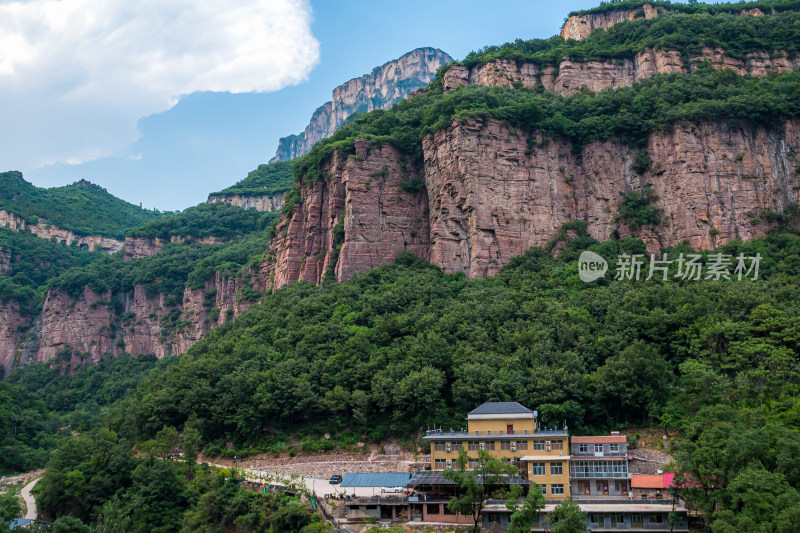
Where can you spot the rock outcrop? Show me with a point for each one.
(266, 202)
(382, 88)
(572, 76)
(83, 329)
(579, 27)
(373, 208)
(139, 247)
(489, 198)
(45, 230)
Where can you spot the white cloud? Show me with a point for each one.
(76, 75)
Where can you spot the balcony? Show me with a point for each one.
(599, 475)
(438, 434)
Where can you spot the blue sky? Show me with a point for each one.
(211, 139)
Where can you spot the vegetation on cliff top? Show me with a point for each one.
(83, 208)
(687, 34)
(629, 114)
(692, 6)
(220, 220)
(265, 180)
(31, 263)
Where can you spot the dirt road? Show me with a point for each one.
(29, 501)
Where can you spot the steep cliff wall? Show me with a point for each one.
(83, 329)
(45, 230)
(571, 76)
(382, 88)
(267, 202)
(488, 200)
(579, 27)
(373, 207)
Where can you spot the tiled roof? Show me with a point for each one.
(600, 439)
(385, 479)
(500, 408)
(644, 481)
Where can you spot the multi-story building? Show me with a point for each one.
(599, 467)
(511, 431)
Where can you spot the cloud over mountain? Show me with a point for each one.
(76, 75)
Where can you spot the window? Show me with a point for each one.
(556, 469)
(544, 489)
(656, 519)
(598, 448)
(473, 446)
(557, 488)
(456, 446)
(505, 444)
(613, 448)
(617, 518)
(596, 518)
(432, 508)
(583, 448)
(537, 469)
(472, 464)
(557, 445)
(637, 519)
(439, 464)
(439, 446)
(522, 445)
(489, 445)
(538, 445)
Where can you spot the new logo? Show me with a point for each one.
(591, 266)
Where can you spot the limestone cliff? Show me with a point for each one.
(487, 198)
(45, 230)
(138, 247)
(83, 329)
(580, 25)
(571, 76)
(267, 202)
(380, 89)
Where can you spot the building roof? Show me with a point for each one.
(435, 477)
(600, 439)
(645, 481)
(544, 458)
(500, 408)
(383, 479)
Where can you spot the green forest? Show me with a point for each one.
(83, 208)
(266, 179)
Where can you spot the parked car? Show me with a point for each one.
(335, 479)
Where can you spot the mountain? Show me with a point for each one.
(263, 189)
(380, 89)
(679, 130)
(73, 213)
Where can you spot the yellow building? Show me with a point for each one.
(509, 430)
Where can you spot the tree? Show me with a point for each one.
(473, 484)
(190, 443)
(634, 380)
(523, 516)
(567, 517)
(290, 518)
(9, 510)
(69, 524)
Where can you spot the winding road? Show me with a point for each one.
(29, 501)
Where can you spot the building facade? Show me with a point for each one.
(599, 467)
(510, 431)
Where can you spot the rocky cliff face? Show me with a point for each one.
(372, 208)
(138, 247)
(485, 200)
(45, 230)
(267, 202)
(83, 329)
(596, 76)
(579, 27)
(382, 88)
